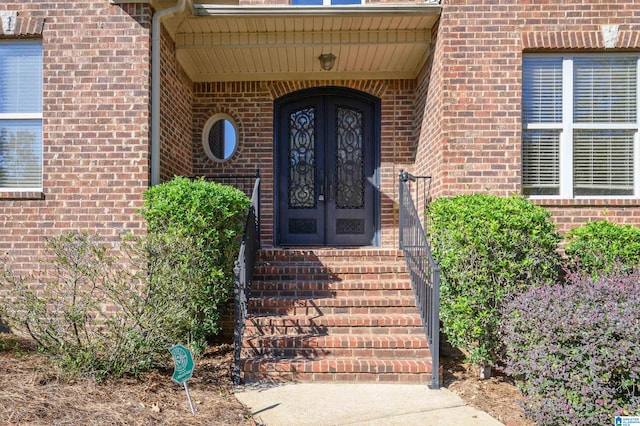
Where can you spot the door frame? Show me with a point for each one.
(329, 91)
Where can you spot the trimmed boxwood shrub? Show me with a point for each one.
(211, 217)
(599, 247)
(489, 249)
(575, 349)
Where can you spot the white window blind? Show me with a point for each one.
(604, 90)
(603, 162)
(541, 161)
(541, 113)
(20, 154)
(20, 115)
(542, 90)
(588, 148)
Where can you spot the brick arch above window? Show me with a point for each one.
(14, 24)
(593, 39)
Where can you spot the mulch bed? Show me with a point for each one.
(33, 392)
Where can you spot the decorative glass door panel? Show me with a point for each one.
(302, 159)
(350, 148)
(326, 164)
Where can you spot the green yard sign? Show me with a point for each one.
(183, 369)
(183, 364)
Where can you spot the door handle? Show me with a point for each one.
(321, 187)
(330, 193)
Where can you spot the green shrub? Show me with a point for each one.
(101, 310)
(210, 217)
(599, 247)
(575, 349)
(489, 249)
(115, 309)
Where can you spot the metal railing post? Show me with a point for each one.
(401, 213)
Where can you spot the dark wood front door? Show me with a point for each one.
(327, 186)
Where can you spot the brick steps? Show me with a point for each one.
(328, 288)
(339, 369)
(338, 272)
(314, 346)
(330, 255)
(334, 315)
(293, 305)
(339, 323)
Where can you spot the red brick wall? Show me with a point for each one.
(251, 105)
(95, 125)
(473, 115)
(175, 115)
(428, 124)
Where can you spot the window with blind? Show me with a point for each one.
(20, 115)
(580, 126)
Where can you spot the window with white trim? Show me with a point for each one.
(580, 126)
(20, 115)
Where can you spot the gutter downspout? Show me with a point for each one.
(158, 17)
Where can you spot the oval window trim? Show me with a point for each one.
(213, 147)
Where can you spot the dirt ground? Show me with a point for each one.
(33, 393)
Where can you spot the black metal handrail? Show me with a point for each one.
(245, 183)
(424, 271)
(243, 272)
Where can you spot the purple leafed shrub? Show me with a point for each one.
(574, 349)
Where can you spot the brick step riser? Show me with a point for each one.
(330, 257)
(336, 366)
(333, 310)
(322, 352)
(368, 342)
(338, 294)
(346, 268)
(335, 321)
(252, 331)
(321, 286)
(404, 378)
(321, 276)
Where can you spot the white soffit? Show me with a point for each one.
(236, 43)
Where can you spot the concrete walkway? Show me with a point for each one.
(357, 404)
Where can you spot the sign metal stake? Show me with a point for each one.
(186, 389)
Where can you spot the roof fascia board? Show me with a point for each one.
(357, 10)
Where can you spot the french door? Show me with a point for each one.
(327, 190)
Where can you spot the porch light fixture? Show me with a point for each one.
(327, 61)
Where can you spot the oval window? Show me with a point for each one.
(220, 137)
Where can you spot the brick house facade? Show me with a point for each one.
(95, 130)
(439, 87)
(477, 73)
(456, 116)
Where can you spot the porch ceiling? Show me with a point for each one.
(235, 43)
